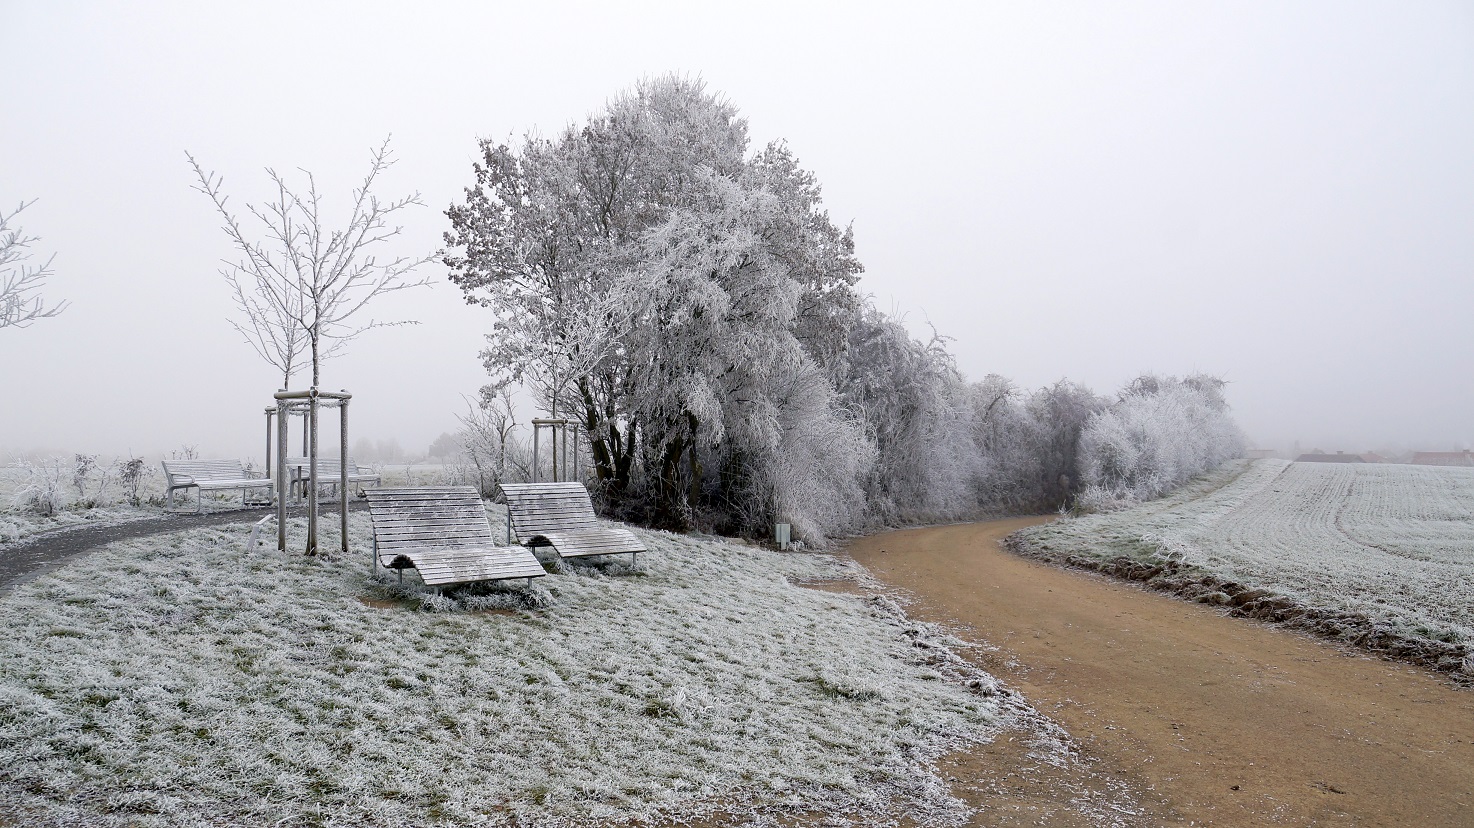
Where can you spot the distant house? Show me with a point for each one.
(1443, 458)
(1338, 457)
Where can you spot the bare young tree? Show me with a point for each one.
(299, 288)
(486, 438)
(19, 303)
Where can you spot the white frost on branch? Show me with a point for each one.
(20, 305)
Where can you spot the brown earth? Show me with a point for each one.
(1206, 719)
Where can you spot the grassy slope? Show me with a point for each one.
(180, 681)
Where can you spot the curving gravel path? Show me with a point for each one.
(32, 557)
(1219, 720)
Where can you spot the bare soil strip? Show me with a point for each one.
(1214, 720)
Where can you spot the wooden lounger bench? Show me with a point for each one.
(442, 532)
(208, 474)
(561, 515)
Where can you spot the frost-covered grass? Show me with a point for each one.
(1392, 542)
(18, 522)
(103, 504)
(179, 680)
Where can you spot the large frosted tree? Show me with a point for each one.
(651, 277)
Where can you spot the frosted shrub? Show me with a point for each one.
(915, 410)
(1160, 434)
(131, 475)
(822, 459)
(43, 491)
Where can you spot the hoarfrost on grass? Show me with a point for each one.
(180, 680)
(1392, 542)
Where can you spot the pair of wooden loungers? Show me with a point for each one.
(443, 533)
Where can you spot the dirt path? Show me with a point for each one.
(1214, 720)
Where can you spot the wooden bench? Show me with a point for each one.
(329, 473)
(442, 532)
(208, 474)
(561, 515)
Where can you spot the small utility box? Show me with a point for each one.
(780, 534)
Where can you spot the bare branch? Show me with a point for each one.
(19, 304)
(299, 289)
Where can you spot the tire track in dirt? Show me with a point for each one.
(1217, 720)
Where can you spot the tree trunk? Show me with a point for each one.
(316, 367)
(693, 461)
(668, 511)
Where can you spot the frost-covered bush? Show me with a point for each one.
(132, 474)
(1158, 435)
(822, 460)
(914, 404)
(44, 489)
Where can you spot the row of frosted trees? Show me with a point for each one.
(688, 301)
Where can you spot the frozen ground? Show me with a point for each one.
(181, 680)
(1391, 543)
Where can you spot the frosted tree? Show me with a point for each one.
(486, 438)
(1159, 433)
(301, 286)
(20, 283)
(1061, 412)
(1009, 441)
(911, 396)
(645, 270)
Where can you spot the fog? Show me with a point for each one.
(1281, 194)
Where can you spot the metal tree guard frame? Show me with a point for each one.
(311, 399)
(556, 429)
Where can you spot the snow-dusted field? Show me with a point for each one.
(181, 680)
(101, 499)
(18, 522)
(1393, 542)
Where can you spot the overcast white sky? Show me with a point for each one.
(1281, 193)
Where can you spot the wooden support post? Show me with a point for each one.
(343, 466)
(312, 471)
(282, 484)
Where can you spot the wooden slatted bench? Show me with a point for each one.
(561, 515)
(208, 474)
(329, 472)
(442, 532)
